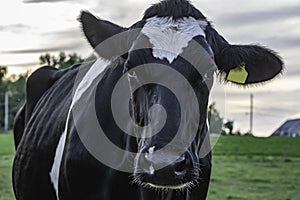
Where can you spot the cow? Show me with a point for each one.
(58, 151)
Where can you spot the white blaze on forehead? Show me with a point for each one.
(169, 37)
(96, 69)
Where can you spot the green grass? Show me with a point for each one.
(252, 146)
(254, 179)
(6, 158)
(244, 168)
(255, 168)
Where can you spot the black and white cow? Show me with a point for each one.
(52, 159)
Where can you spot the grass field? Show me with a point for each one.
(6, 158)
(244, 168)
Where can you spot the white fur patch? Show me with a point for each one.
(208, 125)
(97, 68)
(169, 37)
(54, 174)
(151, 169)
(151, 149)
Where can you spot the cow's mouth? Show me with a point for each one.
(179, 186)
(184, 186)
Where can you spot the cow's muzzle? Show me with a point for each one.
(178, 175)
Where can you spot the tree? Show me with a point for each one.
(15, 86)
(17, 95)
(3, 72)
(214, 119)
(62, 61)
(217, 124)
(3, 89)
(229, 127)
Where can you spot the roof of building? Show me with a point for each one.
(289, 128)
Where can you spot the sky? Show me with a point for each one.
(29, 28)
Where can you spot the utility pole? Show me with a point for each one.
(251, 113)
(6, 111)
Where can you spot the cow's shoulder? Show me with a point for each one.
(41, 80)
(38, 83)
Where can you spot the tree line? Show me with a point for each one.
(15, 84)
(219, 125)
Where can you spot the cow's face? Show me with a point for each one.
(175, 38)
(167, 45)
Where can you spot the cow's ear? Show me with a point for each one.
(97, 30)
(243, 64)
(247, 64)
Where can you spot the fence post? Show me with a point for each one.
(286, 155)
(6, 111)
(236, 154)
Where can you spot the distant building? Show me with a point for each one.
(290, 128)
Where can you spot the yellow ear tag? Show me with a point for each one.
(238, 75)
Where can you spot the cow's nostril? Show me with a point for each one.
(180, 166)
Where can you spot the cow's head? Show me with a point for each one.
(174, 34)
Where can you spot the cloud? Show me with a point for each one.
(284, 42)
(296, 116)
(70, 40)
(69, 34)
(125, 12)
(14, 27)
(43, 1)
(28, 64)
(255, 17)
(63, 47)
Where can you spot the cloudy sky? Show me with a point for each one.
(31, 27)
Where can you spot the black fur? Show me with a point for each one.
(216, 41)
(98, 30)
(261, 63)
(175, 9)
(41, 122)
